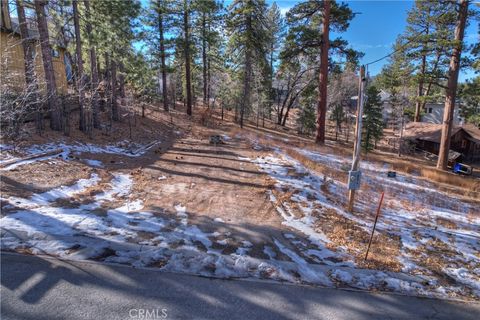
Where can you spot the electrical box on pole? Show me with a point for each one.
(354, 180)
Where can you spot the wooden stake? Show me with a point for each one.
(374, 226)
(358, 135)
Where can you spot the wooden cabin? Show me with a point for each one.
(465, 139)
(12, 61)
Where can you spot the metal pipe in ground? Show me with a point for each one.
(374, 225)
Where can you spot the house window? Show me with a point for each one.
(430, 110)
(464, 144)
(55, 53)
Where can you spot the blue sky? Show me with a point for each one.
(374, 30)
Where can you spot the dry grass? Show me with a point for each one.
(465, 186)
(346, 233)
(435, 256)
(446, 223)
(318, 167)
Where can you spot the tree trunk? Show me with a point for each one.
(248, 71)
(188, 74)
(453, 71)
(94, 69)
(174, 93)
(401, 132)
(101, 76)
(429, 86)
(83, 126)
(246, 86)
(121, 79)
(419, 103)
(209, 79)
(115, 111)
(194, 97)
(290, 105)
(107, 82)
(54, 106)
(163, 65)
(323, 77)
(284, 121)
(204, 58)
(30, 75)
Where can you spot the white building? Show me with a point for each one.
(433, 113)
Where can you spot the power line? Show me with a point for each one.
(404, 45)
(397, 50)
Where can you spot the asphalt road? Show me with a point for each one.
(34, 287)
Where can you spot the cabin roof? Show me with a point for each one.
(433, 132)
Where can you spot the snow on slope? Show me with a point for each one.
(417, 226)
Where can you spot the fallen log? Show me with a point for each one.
(145, 147)
(35, 156)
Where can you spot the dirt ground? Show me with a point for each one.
(224, 191)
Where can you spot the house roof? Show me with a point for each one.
(11, 25)
(433, 132)
(473, 131)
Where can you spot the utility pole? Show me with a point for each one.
(354, 174)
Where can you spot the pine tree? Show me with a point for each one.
(31, 80)
(310, 23)
(187, 57)
(276, 28)
(158, 19)
(373, 119)
(396, 79)
(428, 40)
(53, 102)
(84, 123)
(94, 78)
(115, 21)
(208, 21)
(469, 94)
(183, 18)
(248, 39)
(451, 90)
(342, 87)
(306, 121)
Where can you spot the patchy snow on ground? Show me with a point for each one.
(123, 148)
(426, 220)
(94, 163)
(112, 226)
(6, 153)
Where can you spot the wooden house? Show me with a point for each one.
(465, 139)
(12, 61)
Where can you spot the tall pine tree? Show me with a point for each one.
(248, 42)
(373, 119)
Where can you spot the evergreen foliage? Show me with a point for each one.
(373, 119)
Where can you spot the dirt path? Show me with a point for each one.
(221, 190)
